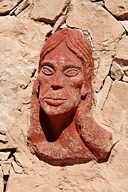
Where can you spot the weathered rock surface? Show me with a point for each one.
(89, 177)
(104, 60)
(7, 5)
(104, 39)
(122, 51)
(48, 10)
(4, 155)
(125, 78)
(1, 184)
(17, 169)
(23, 5)
(115, 111)
(1, 181)
(104, 36)
(125, 24)
(119, 8)
(116, 71)
(6, 166)
(21, 41)
(102, 95)
(119, 69)
(20, 53)
(58, 23)
(3, 138)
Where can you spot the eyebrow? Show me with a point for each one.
(47, 63)
(71, 66)
(65, 67)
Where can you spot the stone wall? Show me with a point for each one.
(24, 26)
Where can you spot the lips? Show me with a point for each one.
(54, 101)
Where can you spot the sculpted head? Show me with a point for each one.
(65, 73)
(63, 130)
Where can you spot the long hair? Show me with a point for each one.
(75, 41)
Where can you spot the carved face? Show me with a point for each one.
(61, 80)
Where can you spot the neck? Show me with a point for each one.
(54, 125)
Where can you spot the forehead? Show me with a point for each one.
(62, 54)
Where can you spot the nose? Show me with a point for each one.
(57, 82)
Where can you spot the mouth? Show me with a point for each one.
(54, 101)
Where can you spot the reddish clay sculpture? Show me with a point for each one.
(63, 131)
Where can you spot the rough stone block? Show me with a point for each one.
(115, 110)
(105, 29)
(122, 51)
(7, 5)
(119, 8)
(48, 10)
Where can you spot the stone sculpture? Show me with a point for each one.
(63, 131)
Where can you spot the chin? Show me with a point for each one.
(62, 109)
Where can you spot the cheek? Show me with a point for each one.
(44, 85)
(75, 84)
(74, 89)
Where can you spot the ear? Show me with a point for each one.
(84, 91)
(35, 89)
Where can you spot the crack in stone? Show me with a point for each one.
(107, 94)
(33, 73)
(5, 180)
(6, 176)
(9, 11)
(23, 4)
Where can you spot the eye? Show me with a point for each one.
(70, 72)
(47, 70)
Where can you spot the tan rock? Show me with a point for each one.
(125, 69)
(31, 183)
(104, 61)
(58, 23)
(21, 41)
(24, 4)
(23, 163)
(57, 179)
(102, 95)
(3, 138)
(1, 173)
(119, 8)
(23, 10)
(20, 54)
(125, 24)
(115, 109)
(116, 71)
(117, 171)
(4, 155)
(104, 39)
(17, 169)
(117, 163)
(125, 78)
(6, 166)
(91, 177)
(1, 181)
(22, 32)
(104, 29)
(48, 10)
(7, 5)
(122, 52)
(1, 184)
